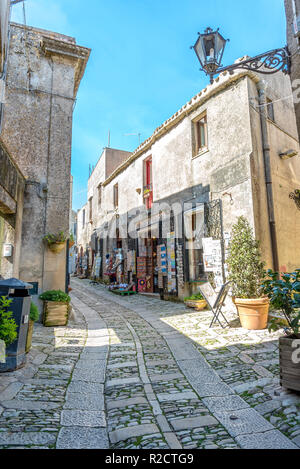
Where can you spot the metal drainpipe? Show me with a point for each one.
(268, 173)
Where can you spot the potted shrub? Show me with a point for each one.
(56, 308)
(284, 293)
(196, 301)
(8, 326)
(246, 271)
(56, 242)
(33, 317)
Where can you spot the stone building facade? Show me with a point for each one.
(91, 215)
(43, 76)
(172, 203)
(292, 9)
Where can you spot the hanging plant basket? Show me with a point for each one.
(56, 247)
(56, 242)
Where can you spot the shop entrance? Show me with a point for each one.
(147, 274)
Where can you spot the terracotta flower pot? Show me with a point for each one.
(56, 247)
(253, 312)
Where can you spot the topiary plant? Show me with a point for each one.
(246, 269)
(8, 326)
(34, 313)
(55, 295)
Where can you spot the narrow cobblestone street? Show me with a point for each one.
(136, 372)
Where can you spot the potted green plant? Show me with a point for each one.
(246, 272)
(56, 308)
(284, 294)
(71, 240)
(8, 326)
(195, 301)
(33, 317)
(56, 242)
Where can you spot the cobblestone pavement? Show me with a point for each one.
(136, 372)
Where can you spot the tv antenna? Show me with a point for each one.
(14, 2)
(136, 134)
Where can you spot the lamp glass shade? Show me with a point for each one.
(209, 49)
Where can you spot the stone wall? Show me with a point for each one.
(44, 72)
(293, 45)
(12, 186)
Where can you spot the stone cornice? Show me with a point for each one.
(66, 49)
(220, 83)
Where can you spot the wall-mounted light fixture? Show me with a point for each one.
(296, 197)
(288, 154)
(230, 195)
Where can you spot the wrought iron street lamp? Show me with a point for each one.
(210, 47)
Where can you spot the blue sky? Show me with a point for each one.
(141, 69)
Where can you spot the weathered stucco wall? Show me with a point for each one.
(293, 45)
(12, 185)
(282, 136)
(44, 71)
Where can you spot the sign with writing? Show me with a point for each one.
(7, 250)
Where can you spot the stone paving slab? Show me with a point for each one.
(82, 438)
(165, 377)
(177, 396)
(228, 403)
(120, 382)
(87, 401)
(94, 353)
(199, 371)
(85, 387)
(97, 365)
(11, 391)
(29, 405)
(118, 354)
(117, 404)
(194, 422)
(272, 439)
(30, 438)
(129, 432)
(244, 421)
(182, 349)
(121, 365)
(83, 418)
(89, 374)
